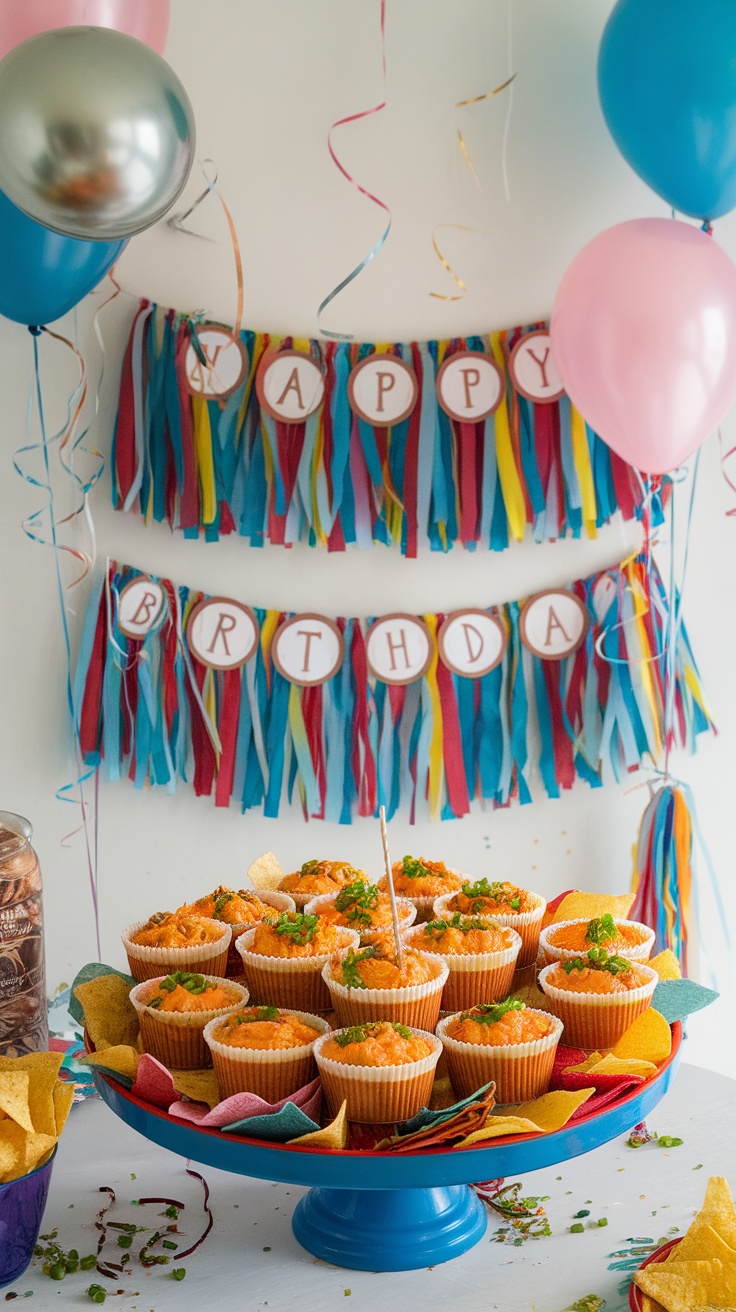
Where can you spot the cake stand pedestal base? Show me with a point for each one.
(389, 1229)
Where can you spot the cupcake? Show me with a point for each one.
(173, 1011)
(422, 882)
(316, 877)
(368, 985)
(573, 938)
(364, 907)
(383, 1069)
(507, 1042)
(283, 960)
(240, 911)
(597, 997)
(263, 1050)
(481, 957)
(175, 941)
(506, 904)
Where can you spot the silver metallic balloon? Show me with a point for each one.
(96, 132)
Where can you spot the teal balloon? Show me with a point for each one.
(667, 86)
(42, 274)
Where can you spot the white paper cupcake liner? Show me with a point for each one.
(406, 909)
(378, 1094)
(150, 963)
(177, 1038)
(526, 923)
(639, 952)
(521, 1071)
(596, 1021)
(476, 976)
(290, 982)
(272, 1074)
(415, 1005)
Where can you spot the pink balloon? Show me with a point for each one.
(644, 338)
(148, 20)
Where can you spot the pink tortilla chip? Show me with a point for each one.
(241, 1106)
(153, 1083)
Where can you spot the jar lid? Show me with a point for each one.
(15, 834)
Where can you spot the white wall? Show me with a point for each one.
(267, 81)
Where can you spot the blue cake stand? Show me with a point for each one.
(376, 1211)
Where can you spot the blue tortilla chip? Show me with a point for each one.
(289, 1123)
(676, 999)
(425, 1117)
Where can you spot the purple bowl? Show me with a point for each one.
(22, 1204)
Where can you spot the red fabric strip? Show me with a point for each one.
(562, 745)
(90, 719)
(204, 752)
(232, 681)
(411, 463)
(467, 444)
(452, 747)
(125, 456)
(189, 512)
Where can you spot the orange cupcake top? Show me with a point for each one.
(375, 967)
(597, 973)
(500, 1024)
(613, 935)
(185, 992)
(360, 906)
(381, 1043)
(462, 934)
(176, 929)
(320, 877)
(295, 935)
(264, 1028)
(417, 877)
(482, 898)
(243, 908)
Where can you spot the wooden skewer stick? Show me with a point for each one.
(391, 892)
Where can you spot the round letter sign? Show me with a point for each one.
(471, 642)
(470, 386)
(222, 633)
(553, 624)
(533, 368)
(140, 604)
(382, 390)
(398, 648)
(224, 366)
(307, 649)
(289, 385)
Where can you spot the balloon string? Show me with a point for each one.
(178, 221)
(342, 122)
(459, 227)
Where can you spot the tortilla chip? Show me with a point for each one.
(63, 1094)
(651, 1305)
(120, 1058)
(585, 1066)
(612, 1065)
(265, 872)
(334, 1135)
(702, 1242)
(648, 1039)
(200, 1086)
(43, 1068)
(553, 1110)
(683, 1285)
(666, 965)
(109, 1016)
(24, 1151)
(498, 1126)
(718, 1210)
(589, 906)
(533, 997)
(14, 1099)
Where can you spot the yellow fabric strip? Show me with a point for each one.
(581, 456)
(209, 698)
(205, 464)
(513, 494)
(268, 628)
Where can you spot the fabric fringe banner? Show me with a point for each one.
(149, 709)
(210, 455)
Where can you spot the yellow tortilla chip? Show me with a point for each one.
(701, 1242)
(109, 1015)
(586, 1065)
(120, 1058)
(201, 1086)
(265, 872)
(651, 1305)
(14, 1101)
(533, 997)
(612, 1065)
(334, 1135)
(497, 1126)
(553, 1110)
(63, 1094)
(24, 1151)
(589, 906)
(648, 1039)
(683, 1285)
(666, 965)
(43, 1068)
(718, 1210)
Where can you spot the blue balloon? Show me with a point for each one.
(42, 274)
(667, 85)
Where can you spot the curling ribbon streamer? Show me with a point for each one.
(341, 122)
(149, 710)
(204, 469)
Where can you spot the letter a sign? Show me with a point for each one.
(222, 634)
(140, 604)
(307, 650)
(553, 624)
(289, 386)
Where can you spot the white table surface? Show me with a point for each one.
(642, 1192)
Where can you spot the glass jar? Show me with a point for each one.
(23, 1005)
